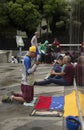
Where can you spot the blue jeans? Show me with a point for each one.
(59, 81)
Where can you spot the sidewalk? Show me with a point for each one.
(17, 116)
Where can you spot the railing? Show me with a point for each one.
(72, 45)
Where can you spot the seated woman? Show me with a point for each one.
(79, 71)
(57, 67)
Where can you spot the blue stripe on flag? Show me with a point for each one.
(57, 103)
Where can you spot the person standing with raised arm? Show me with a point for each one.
(35, 43)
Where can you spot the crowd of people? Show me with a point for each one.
(63, 71)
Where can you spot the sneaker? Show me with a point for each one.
(35, 83)
(6, 99)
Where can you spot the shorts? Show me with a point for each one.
(27, 92)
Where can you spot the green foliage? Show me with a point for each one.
(20, 1)
(55, 13)
(76, 23)
(24, 16)
(3, 17)
(32, 16)
(60, 24)
(16, 13)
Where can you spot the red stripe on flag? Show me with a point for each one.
(43, 102)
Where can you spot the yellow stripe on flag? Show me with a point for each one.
(70, 107)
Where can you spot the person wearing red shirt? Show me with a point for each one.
(79, 71)
(58, 47)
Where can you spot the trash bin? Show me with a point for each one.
(72, 123)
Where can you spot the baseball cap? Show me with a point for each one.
(32, 49)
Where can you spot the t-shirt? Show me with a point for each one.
(79, 74)
(69, 74)
(28, 71)
(63, 67)
(34, 41)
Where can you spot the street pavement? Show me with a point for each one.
(16, 116)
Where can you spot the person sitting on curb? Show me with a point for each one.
(67, 75)
(57, 67)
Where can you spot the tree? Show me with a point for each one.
(75, 22)
(3, 17)
(55, 13)
(22, 14)
(26, 15)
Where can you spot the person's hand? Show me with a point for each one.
(37, 62)
(53, 64)
(53, 72)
